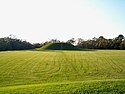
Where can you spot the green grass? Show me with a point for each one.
(88, 87)
(101, 71)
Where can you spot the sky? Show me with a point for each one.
(41, 20)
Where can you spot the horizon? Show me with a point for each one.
(39, 21)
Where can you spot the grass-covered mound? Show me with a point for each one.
(59, 46)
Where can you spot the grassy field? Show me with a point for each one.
(96, 71)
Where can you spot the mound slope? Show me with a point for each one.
(59, 46)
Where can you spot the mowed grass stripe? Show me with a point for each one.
(47, 66)
(77, 87)
(33, 67)
(113, 68)
(11, 62)
(66, 82)
(19, 62)
(7, 58)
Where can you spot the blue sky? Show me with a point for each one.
(41, 20)
(113, 9)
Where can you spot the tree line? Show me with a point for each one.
(8, 43)
(11, 43)
(103, 43)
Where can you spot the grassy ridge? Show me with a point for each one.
(58, 46)
(79, 87)
(41, 67)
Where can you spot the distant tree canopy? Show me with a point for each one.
(12, 43)
(103, 43)
(71, 41)
(8, 43)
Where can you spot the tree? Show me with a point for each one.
(71, 41)
(122, 45)
(54, 41)
(8, 43)
(101, 43)
(79, 42)
(37, 45)
(117, 41)
(120, 37)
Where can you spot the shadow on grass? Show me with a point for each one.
(65, 50)
(52, 50)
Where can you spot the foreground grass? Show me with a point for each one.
(88, 87)
(62, 71)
